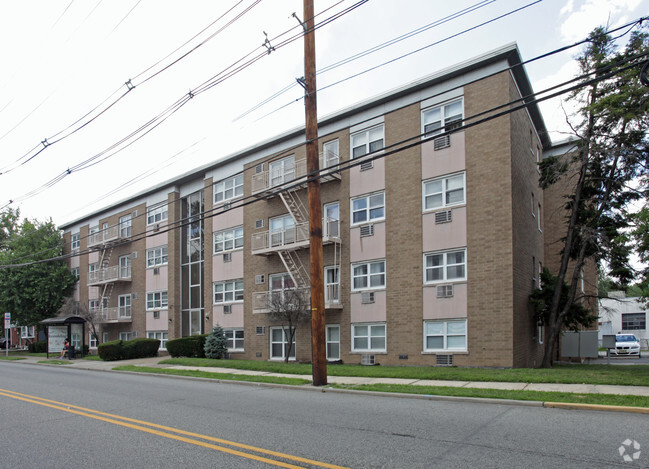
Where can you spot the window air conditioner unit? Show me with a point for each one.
(442, 142)
(444, 360)
(367, 165)
(156, 315)
(260, 330)
(368, 359)
(259, 168)
(227, 309)
(445, 291)
(259, 279)
(227, 257)
(135, 214)
(156, 271)
(367, 230)
(445, 216)
(156, 227)
(226, 206)
(134, 296)
(134, 255)
(367, 297)
(259, 224)
(134, 334)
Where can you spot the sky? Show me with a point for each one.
(195, 78)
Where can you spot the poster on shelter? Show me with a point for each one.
(56, 336)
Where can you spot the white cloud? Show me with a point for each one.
(580, 20)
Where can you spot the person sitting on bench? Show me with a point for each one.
(66, 346)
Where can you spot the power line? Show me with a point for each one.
(525, 101)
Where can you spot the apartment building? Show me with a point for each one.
(433, 233)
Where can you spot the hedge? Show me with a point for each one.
(127, 349)
(193, 346)
(38, 347)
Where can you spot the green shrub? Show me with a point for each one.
(125, 350)
(110, 351)
(38, 347)
(216, 344)
(193, 346)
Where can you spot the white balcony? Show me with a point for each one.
(112, 315)
(106, 236)
(109, 275)
(262, 300)
(293, 174)
(296, 237)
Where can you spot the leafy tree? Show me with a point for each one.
(93, 318)
(216, 344)
(289, 307)
(34, 281)
(606, 171)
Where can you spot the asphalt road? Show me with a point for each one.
(131, 420)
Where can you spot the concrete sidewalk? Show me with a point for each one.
(554, 387)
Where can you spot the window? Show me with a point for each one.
(93, 305)
(282, 230)
(332, 284)
(92, 340)
(445, 335)
(368, 338)
(445, 266)
(279, 344)
(442, 118)
(332, 335)
(227, 292)
(124, 302)
(331, 222)
(368, 275)
(156, 300)
(125, 226)
(76, 241)
(330, 151)
(540, 272)
(27, 332)
(75, 340)
(538, 218)
(367, 141)
(125, 267)
(157, 214)
(634, 321)
(235, 339)
(228, 188)
(104, 337)
(126, 336)
(444, 192)
(162, 336)
(156, 256)
(368, 208)
(227, 240)
(75, 272)
(533, 205)
(94, 267)
(282, 171)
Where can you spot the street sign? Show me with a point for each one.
(7, 320)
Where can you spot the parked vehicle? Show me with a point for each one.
(626, 344)
(3, 342)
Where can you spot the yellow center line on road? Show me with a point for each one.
(131, 423)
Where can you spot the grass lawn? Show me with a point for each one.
(636, 375)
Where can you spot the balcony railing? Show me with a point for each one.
(262, 301)
(109, 315)
(109, 235)
(296, 237)
(262, 181)
(115, 273)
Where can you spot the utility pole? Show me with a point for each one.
(318, 351)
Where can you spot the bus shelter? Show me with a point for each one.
(67, 327)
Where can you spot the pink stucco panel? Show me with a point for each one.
(367, 247)
(367, 181)
(230, 219)
(437, 237)
(234, 319)
(160, 324)
(371, 312)
(445, 308)
(445, 161)
(156, 282)
(227, 270)
(155, 238)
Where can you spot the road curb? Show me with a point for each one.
(598, 407)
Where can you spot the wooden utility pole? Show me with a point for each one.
(318, 351)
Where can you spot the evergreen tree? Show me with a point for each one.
(216, 344)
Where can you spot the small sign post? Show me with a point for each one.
(7, 334)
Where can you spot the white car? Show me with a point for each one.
(626, 344)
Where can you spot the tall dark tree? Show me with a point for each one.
(289, 307)
(608, 170)
(33, 287)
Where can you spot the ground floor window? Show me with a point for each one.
(333, 342)
(445, 335)
(104, 337)
(75, 340)
(634, 322)
(279, 344)
(126, 336)
(92, 340)
(368, 337)
(27, 332)
(235, 339)
(162, 336)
